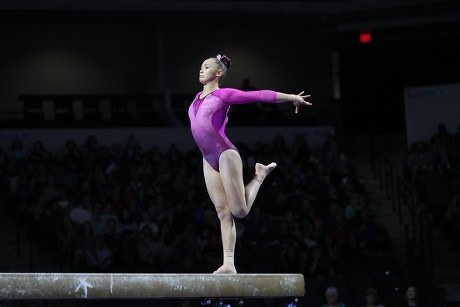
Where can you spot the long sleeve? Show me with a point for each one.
(231, 96)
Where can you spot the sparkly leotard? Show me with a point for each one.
(208, 117)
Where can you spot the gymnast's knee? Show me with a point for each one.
(224, 214)
(240, 213)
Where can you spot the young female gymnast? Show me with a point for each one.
(222, 165)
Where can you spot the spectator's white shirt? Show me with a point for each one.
(80, 215)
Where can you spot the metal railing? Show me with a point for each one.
(418, 228)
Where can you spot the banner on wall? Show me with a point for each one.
(428, 106)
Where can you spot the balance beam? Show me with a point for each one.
(17, 286)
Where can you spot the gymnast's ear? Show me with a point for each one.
(220, 72)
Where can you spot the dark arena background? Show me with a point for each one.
(97, 159)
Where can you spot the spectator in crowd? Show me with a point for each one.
(70, 157)
(18, 152)
(98, 257)
(97, 222)
(434, 171)
(81, 213)
(439, 143)
(146, 250)
(319, 265)
(83, 243)
(127, 225)
(451, 225)
(419, 158)
(372, 298)
(332, 298)
(125, 256)
(39, 153)
(66, 234)
(411, 298)
(112, 234)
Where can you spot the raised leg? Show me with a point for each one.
(240, 198)
(231, 198)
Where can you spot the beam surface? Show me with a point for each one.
(16, 286)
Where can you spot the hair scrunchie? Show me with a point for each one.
(224, 59)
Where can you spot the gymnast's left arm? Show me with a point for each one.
(297, 100)
(234, 96)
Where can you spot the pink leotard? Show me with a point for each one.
(208, 117)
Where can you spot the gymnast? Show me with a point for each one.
(222, 165)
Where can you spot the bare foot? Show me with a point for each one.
(262, 171)
(226, 269)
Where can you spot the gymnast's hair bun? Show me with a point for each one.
(224, 59)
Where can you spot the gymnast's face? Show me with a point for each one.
(210, 71)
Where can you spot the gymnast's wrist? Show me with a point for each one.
(281, 97)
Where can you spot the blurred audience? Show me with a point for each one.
(372, 298)
(411, 298)
(433, 168)
(124, 208)
(332, 298)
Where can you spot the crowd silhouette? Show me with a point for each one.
(124, 208)
(433, 169)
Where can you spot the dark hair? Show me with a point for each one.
(224, 63)
(224, 60)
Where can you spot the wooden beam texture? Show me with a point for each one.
(14, 286)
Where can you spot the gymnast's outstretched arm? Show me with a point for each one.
(298, 99)
(234, 96)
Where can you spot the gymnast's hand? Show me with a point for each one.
(299, 100)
